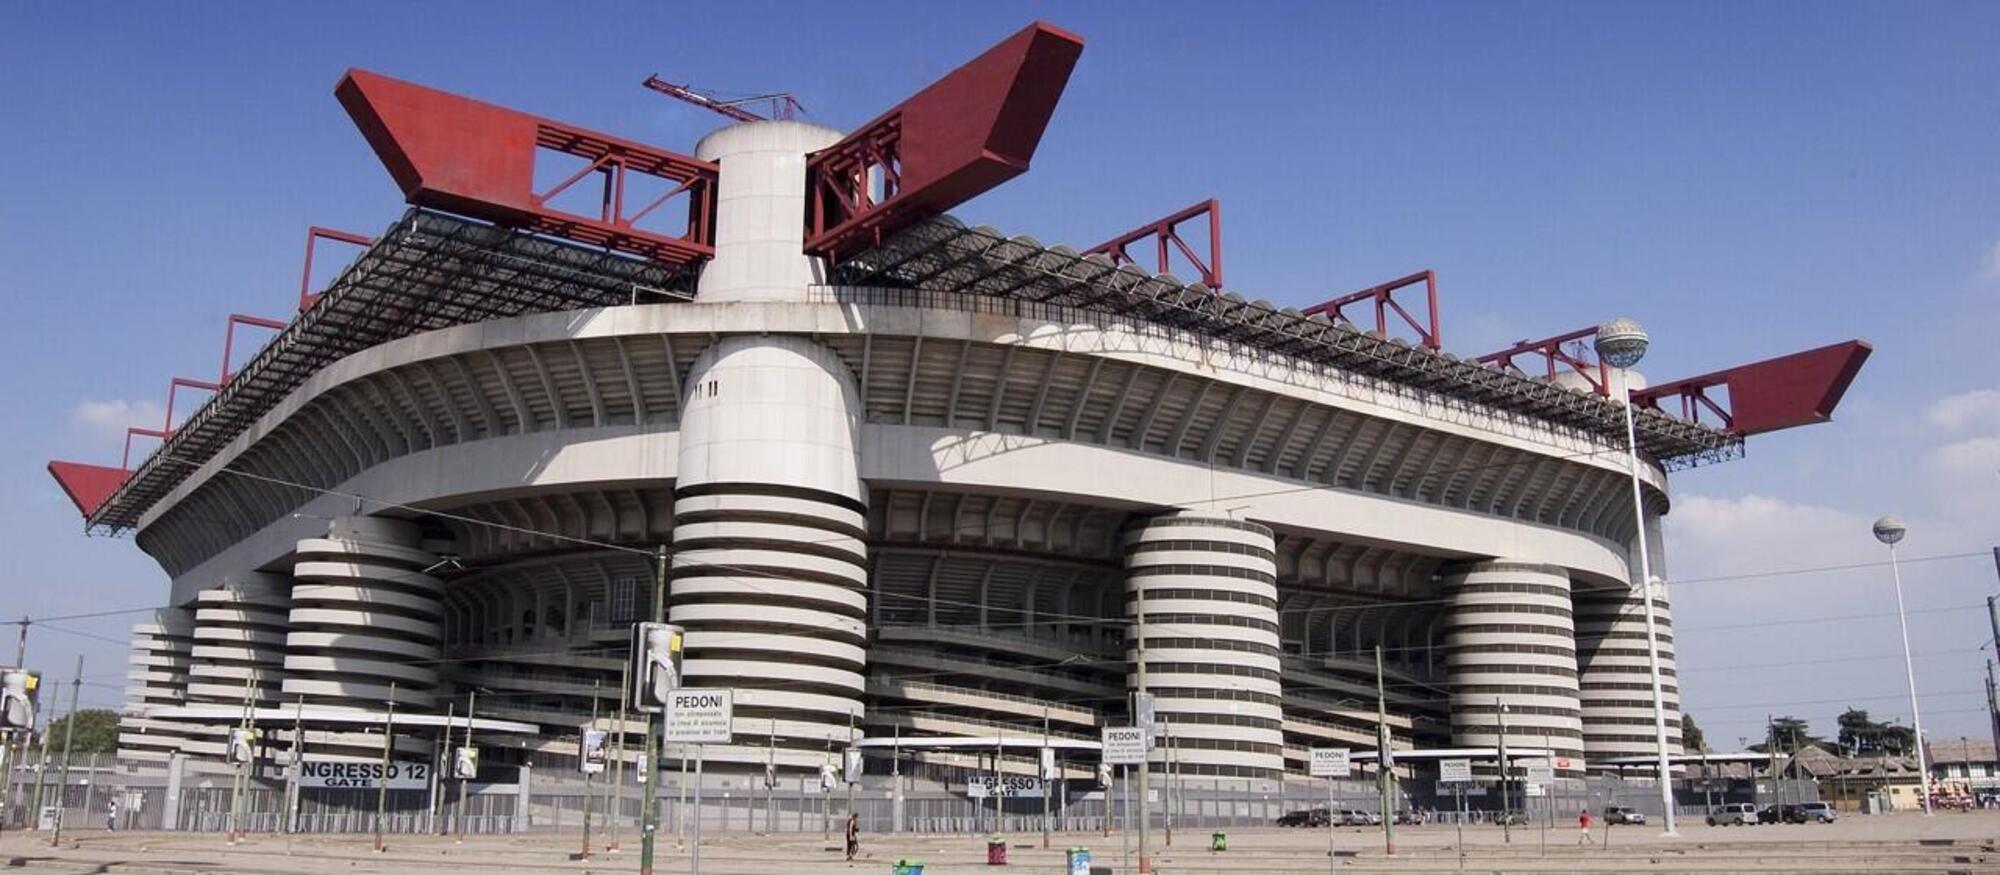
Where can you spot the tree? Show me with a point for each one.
(1691, 738)
(96, 731)
(1861, 736)
(1791, 735)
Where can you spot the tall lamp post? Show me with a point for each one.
(1890, 530)
(1621, 343)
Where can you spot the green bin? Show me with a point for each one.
(909, 867)
(1218, 841)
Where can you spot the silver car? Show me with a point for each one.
(1733, 814)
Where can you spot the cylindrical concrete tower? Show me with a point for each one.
(239, 640)
(1617, 689)
(1207, 587)
(770, 570)
(159, 677)
(1510, 640)
(760, 209)
(364, 615)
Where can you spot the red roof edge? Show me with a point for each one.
(88, 486)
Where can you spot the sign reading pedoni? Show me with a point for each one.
(699, 716)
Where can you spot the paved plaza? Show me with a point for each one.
(1897, 843)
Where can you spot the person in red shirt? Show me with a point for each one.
(1583, 828)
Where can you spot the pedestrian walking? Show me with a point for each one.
(111, 815)
(853, 835)
(1583, 828)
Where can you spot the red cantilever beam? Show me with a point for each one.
(1384, 299)
(454, 153)
(88, 486)
(1798, 389)
(315, 234)
(1165, 233)
(1555, 357)
(964, 134)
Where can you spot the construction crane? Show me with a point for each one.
(783, 106)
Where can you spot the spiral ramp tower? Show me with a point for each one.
(1510, 643)
(237, 656)
(160, 660)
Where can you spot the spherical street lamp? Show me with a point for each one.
(1621, 342)
(1890, 530)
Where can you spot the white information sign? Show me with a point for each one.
(699, 716)
(1459, 771)
(1009, 787)
(1331, 762)
(1532, 791)
(1124, 745)
(1541, 773)
(364, 776)
(593, 758)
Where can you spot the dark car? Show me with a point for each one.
(1304, 817)
(1810, 812)
(1771, 814)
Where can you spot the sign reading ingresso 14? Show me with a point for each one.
(363, 776)
(1010, 786)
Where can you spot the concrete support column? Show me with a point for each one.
(1207, 588)
(770, 573)
(1510, 639)
(365, 614)
(161, 657)
(1617, 690)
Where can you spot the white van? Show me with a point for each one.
(1733, 814)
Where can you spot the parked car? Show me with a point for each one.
(1622, 816)
(1352, 817)
(1733, 814)
(1810, 812)
(1304, 817)
(1515, 817)
(1771, 814)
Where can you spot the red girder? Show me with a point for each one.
(1165, 233)
(315, 234)
(1554, 357)
(125, 461)
(784, 107)
(88, 486)
(229, 336)
(1792, 390)
(964, 134)
(1384, 298)
(454, 153)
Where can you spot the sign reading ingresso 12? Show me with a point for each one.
(364, 776)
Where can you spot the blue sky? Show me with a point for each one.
(1745, 179)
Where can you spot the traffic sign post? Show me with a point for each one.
(1331, 763)
(697, 717)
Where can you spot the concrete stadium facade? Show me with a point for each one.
(899, 514)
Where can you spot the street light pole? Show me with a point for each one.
(1890, 530)
(1621, 343)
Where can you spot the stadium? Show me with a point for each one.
(918, 484)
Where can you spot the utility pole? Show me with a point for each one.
(851, 779)
(446, 759)
(298, 765)
(240, 782)
(471, 704)
(771, 776)
(382, 789)
(583, 762)
(1506, 803)
(69, 735)
(1046, 776)
(617, 812)
(825, 801)
(650, 805)
(1385, 759)
(1145, 762)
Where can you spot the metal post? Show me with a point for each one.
(655, 724)
(770, 781)
(298, 765)
(239, 781)
(694, 851)
(382, 789)
(582, 763)
(1506, 804)
(1645, 588)
(1332, 862)
(69, 736)
(471, 706)
(1384, 759)
(1173, 781)
(998, 742)
(1125, 814)
(442, 762)
(852, 779)
(1046, 778)
(617, 813)
(1910, 672)
(1145, 762)
(1993, 705)
(825, 802)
